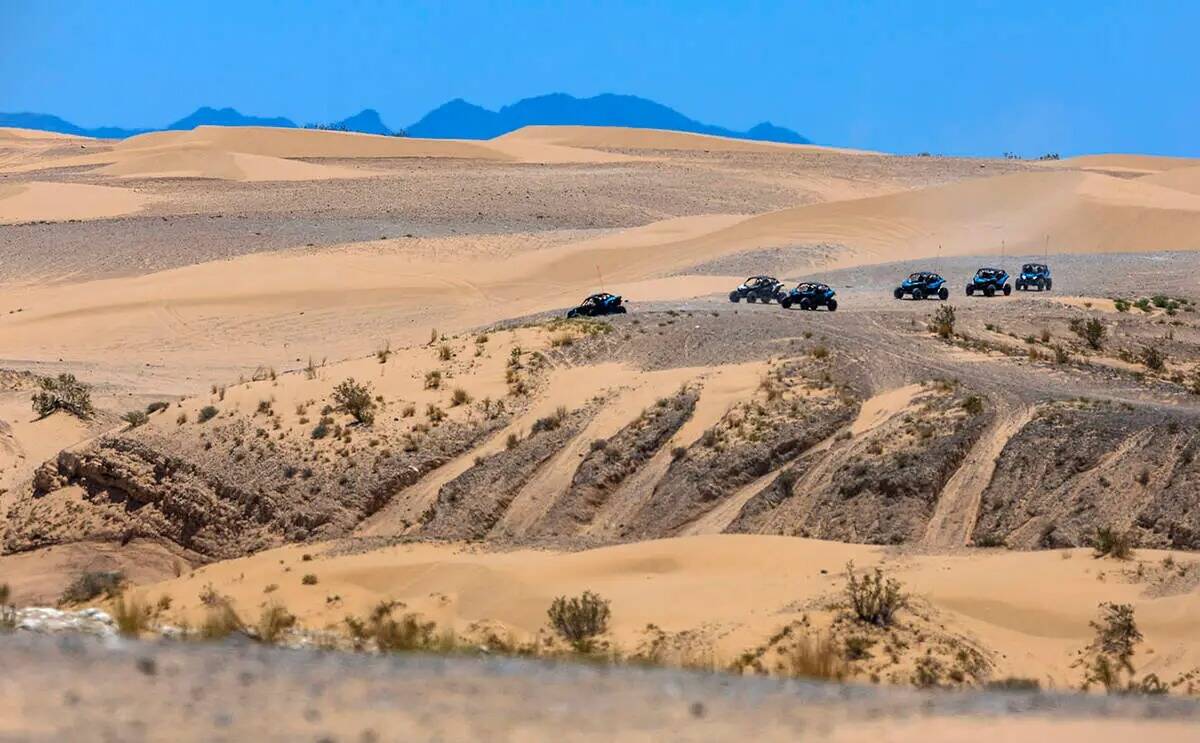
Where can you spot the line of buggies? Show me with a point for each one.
(986, 281)
(810, 295)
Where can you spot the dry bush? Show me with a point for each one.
(445, 353)
(391, 635)
(1108, 660)
(220, 622)
(813, 658)
(942, 321)
(580, 620)
(131, 615)
(459, 397)
(511, 441)
(355, 400)
(434, 413)
(274, 622)
(973, 404)
(157, 407)
(309, 579)
(552, 421)
(1092, 332)
(384, 352)
(207, 413)
(91, 584)
(1109, 542)
(433, 379)
(136, 418)
(63, 392)
(8, 613)
(819, 352)
(1153, 358)
(873, 598)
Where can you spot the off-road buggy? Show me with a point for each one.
(598, 304)
(988, 281)
(1034, 276)
(759, 288)
(809, 295)
(923, 285)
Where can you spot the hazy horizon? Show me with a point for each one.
(967, 78)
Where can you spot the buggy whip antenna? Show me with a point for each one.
(599, 277)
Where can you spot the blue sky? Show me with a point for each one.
(950, 77)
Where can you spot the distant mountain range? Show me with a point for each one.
(457, 119)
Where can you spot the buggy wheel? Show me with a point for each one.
(735, 297)
(1007, 289)
(943, 294)
(899, 293)
(1020, 286)
(970, 291)
(785, 303)
(832, 305)
(806, 304)
(918, 294)
(1048, 284)
(620, 310)
(750, 298)
(765, 299)
(989, 291)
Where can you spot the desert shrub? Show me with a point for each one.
(207, 413)
(973, 404)
(1109, 542)
(942, 321)
(355, 400)
(445, 353)
(1111, 651)
(562, 340)
(1142, 304)
(131, 615)
(220, 622)
(320, 431)
(309, 579)
(391, 635)
(434, 413)
(1045, 336)
(264, 407)
(433, 379)
(552, 421)
(1153, 358)
(819, 352)
(511, 441)
(459, 397)
(8, 613)
(1121, 305)
(135, 418)
(927, 673)
(1013, 683)
(274, 622)
(156, 407)
(63, 392)
(579, 620)
(857, 647)
(1092, 332)
(1060, 355)
(88, 585)
(678, 452)
(384, 353)
(815, 658)
(873, 598)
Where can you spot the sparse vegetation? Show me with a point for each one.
(273, 623)
(1110, 542)
(91, 584)
(1153, 358)
(220, 622)
(874, 598)
(433, 379)
(580, 620)
(131, 615)
(135, 418)
(207, 413)
(552, 421)
(355, 400)
(63, 392)
(459, 397)
(814, 658)
(511, 441)
(384, 352)
(1092, 332)
(309, 579)
(1108, 660)
(445, 353)
(942, 321)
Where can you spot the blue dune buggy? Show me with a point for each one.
(809, 295)
(759, 288)
(988, 281)
(1034, 276)
(598, 304)
(923, 285)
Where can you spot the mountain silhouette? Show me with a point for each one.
(459, 119)
(206, 116)
(456, 119)
(48, 123)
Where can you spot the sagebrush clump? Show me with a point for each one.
(63, 392)
(873, 598)
(942, 321)
(580, 620)
(355, 400)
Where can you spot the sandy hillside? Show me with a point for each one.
(723, 595)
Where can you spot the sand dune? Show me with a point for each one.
(12, 133)
(1182, 179)
(1126, 163)
(203, 162)
(732, 591)
(622, 138)
(55, 202)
